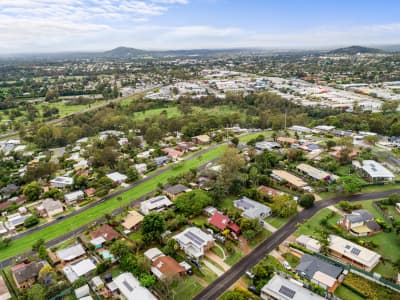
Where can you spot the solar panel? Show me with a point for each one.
(355, 251)
(347, 246)
(158, 199)
(194, 238)
(127, 285)
(284, 290)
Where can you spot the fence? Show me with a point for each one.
(381, 212)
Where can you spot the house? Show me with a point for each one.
(324, 128)
(156, 204)
(97, 242)
(286, 140)
(3, 229)
(15, 220)
(117, 177)
(4, 292)
(373, 170)
(166, 267)
(25, 274)
(73, 197)
(300, 129)
(90, 192)
(132, 220)
(50, 207)
(77, 269)
(131, 289)
(353, 253)
(174, 191)
(281, 288)
(161, 160)
(201, 139)
(308, 243)
(152, 254)
(269, 192)
(141, 168)
(337, 152)
(252, 209)
(82, 291)
(223, 222)
(360, 223)
(71, 253)
(314, 173)
(106, 232)
(185, 146)
(97, 283)
(62, 182)
(291, 179)
(9, 190)
(262, 146)
(320, 272)
(194, 241)
(174, 154)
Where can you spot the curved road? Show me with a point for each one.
(222, 283)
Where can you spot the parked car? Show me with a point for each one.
(287, 265)
(253, 289)
(250, 274)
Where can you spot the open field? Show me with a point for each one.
(311, 226)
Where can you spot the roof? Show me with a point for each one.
(25, 272)
(117, 177)
(153, 253)
(309, 265)
(376, 170)
(353, 251)
(219, 220)
(300, 129)
(166, 265)
(106, 232)
(270, 192)
(203, 138)
(97, 241)
(285, 289)
(83, 267)
(131, 289)
(63, 180)
(252, 209)
(313, 172)
(176, 189)
(155, 203)
(74, 195)
(132, 219)
(289, 140)
(52, 205)
(290, 178)
(82, 291)
(266, 145)
(71, 253)
(308, 242)
(359, 215)
(193, 240)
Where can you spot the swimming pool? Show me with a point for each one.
(107, 255)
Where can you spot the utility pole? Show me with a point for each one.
(285, 117)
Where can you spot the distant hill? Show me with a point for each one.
(124, 52)
(352, 50)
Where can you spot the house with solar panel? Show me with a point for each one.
(155, 204)
(353, 253)
(194, 242)
(373, 170)
(281, 288)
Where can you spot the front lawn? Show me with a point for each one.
(262, 236)
(277, 222)
(233, 258)
(312, 226)
(293, 260)
(186, 288)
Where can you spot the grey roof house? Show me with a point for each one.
(252, 209)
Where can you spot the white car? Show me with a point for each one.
(287, 265)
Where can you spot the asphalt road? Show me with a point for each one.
(222, 283)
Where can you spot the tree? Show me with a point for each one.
(283, 206)
(350, 184)
(330, 144)
(147, 280)
(119, 248)
(31, 221)
(235, 141)
(231, 163)
(32, 191)
(4, 242)
(371, 139)
(132, 174)
(307, 200)
(36, 292)
(389, 107)
(238, 294)
(153, 134)
(153, 225)
(46, 275)
(192, 203)
(250, 228)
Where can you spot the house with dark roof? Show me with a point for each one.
(252, 209)
(106, 232)
(360, 223)
(223, 222)
(320, 272)
(25, 275)
(174, 191)
(166, 267)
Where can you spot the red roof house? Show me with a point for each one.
(106, 232)
(222, 222)
(172, 152)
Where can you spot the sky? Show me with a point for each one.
(40, 26)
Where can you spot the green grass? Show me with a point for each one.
(293, 260)
(347, 294)
(216, 250)
(380, 188)
(51, 232)
(234, 257)
(387, 270)
(186, 288)
(206, 274)
(311, 226)
(259, 238)
(276, 221)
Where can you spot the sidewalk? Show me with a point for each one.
(269, 227)
(213, 268)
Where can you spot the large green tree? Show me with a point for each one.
(153, 225)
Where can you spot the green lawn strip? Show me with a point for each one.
(380, 188)
(25, 243)
(217, 251)
(276, 221)
(233, 258)
(259, 238)
(311, 226)
(344, 293)
(386, 269)
(186, 288)
(293, 260)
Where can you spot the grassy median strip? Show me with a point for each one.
(56, 230)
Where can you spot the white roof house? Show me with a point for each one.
(61, 181)
(82, 291)
(308, 243)
(153, 253)
(141, 168)
(252, 209)
(72, 197)
(71, 253)
(78, 269)
(356, 254)
(117, 177)
(374, 170)
(267, 145)
(300, 129)
(158, 203)
(286, 289)
(131, 289)
(16, 220)
(194, 241)
(52, 207)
